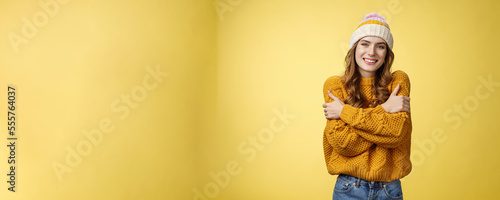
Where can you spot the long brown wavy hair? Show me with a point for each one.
(352, 81)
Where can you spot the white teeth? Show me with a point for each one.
(369, 60)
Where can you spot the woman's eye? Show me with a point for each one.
(364, 44)
(381, 47)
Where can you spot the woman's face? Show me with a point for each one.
(370, 55)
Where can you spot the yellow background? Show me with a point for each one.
(233, 66)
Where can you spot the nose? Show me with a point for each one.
(371, 50)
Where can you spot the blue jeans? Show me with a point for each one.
(350, 187)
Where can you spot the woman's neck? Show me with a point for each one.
(365, 74)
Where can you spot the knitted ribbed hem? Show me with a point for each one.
(382, 175)
(352, 166)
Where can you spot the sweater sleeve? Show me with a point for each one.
(339, 135)
(344, 139)
(378, 126)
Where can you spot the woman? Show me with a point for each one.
(368, 132)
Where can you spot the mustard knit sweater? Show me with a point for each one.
(368, 143)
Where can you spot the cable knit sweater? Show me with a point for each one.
(368, 143)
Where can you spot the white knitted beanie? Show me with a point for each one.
(373, 24)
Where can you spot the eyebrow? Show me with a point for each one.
(370, 42)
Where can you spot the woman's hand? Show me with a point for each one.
(333, 109)
(397, 103)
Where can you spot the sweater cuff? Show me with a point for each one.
(379, 109)
(348, 113)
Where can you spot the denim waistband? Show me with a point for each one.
(360, 181)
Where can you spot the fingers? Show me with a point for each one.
(406, 109)
(324, 110)
(330, 116)
(403, 99)
(406, 100)
(326, 115)
(396, 90)
(406, 105)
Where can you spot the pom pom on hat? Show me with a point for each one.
(372, 24)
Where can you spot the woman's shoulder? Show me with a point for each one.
(335, 85)
(400, 76)
(333, 82)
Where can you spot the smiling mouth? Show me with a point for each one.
(370, 60)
